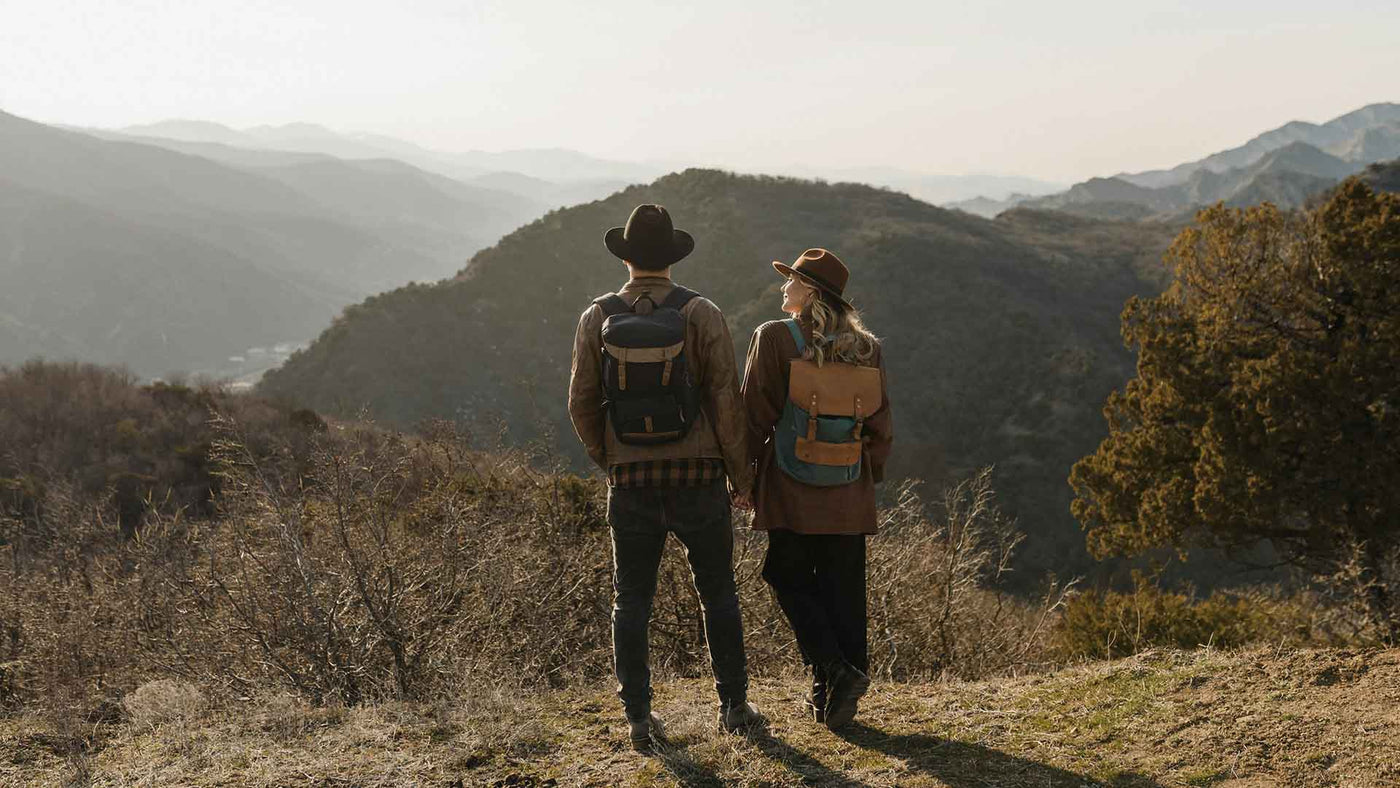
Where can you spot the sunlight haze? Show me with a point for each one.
(1058, 91)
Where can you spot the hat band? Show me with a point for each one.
(819, 280)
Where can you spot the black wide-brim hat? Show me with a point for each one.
(823, 270)
(649, 239)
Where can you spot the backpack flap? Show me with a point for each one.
(665, 356)
(836, 387)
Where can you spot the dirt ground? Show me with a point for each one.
(1255, 718)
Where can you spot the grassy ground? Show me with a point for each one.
(1165, 719)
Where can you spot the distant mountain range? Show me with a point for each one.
(123, 252)
(552, 177)
(1286, 166)
(1002, 336)
(557, 177)
(936, 189)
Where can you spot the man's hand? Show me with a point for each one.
(742, 501)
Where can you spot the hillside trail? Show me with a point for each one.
(1201, 718)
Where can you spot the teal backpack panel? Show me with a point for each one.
(830, 429)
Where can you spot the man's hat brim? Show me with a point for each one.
(787, 270)
(681, 245)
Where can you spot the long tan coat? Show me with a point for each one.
(781, 502)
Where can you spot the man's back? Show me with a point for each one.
(719, 432)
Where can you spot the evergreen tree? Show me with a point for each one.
(1266, 405)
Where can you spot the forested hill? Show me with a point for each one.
(1002, 337)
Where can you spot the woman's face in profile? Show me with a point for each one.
(796, 294)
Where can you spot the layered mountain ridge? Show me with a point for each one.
(1286, 166)
(128, 253)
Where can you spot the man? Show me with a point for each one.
(666, 466)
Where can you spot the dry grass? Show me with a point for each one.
(1325, 718)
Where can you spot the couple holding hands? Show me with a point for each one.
(654, 396)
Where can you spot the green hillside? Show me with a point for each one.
(1001, 336)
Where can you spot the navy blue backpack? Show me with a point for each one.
(651, 394)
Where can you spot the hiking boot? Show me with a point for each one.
(740, 717)
(845, 684)
(647, 733)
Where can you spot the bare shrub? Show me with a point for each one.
(935, 601)
(344, 584)
(163, 700)
(66, 626)
(396, 566)
(1364, 581)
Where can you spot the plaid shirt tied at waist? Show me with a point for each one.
(685, 472)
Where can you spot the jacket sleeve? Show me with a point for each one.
(764, 391)
(879, 429)
(721, 387)
(586, 387)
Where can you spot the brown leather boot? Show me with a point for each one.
(740, 717)
(648, 733)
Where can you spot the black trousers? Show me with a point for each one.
(641, 517)
(819, 580)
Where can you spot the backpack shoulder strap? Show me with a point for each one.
(796, 331)
(613, 304)
(678, 297)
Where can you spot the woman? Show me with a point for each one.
(816, 534)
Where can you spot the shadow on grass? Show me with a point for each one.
(963, 765)
(691, 774)
(811, 770)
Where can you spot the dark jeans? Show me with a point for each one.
(699, 516)
(819, 580)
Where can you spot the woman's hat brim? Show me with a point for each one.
(682, 244)
(787, 270)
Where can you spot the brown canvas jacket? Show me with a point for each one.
(781, 502)
(719, 430)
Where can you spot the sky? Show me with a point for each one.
(1054, 90)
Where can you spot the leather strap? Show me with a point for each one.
(613, 304)
(796, 330)
(678, 297)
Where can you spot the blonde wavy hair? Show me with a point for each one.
(837, 332)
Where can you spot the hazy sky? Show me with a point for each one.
(1058, 90)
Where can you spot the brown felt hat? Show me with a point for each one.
(649, 240)
(823, 270)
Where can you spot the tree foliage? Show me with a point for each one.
(1266, 405)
